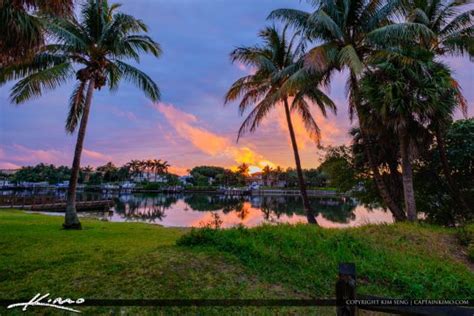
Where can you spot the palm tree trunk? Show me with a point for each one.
(407, 177)
(384, 192)
(304, 195)
(71, 220)
(456, 193)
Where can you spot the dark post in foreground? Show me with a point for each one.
(345, 289)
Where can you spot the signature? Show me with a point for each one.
(45, 301)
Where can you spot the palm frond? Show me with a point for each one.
(324, 20)
(39, 62)
(302, 108)
(76, 107)
(349, 57)
(459, 23)
(293, 17)
(257, 115)
(143, 43)
(400, 33)
(140, 79)
(34, 84)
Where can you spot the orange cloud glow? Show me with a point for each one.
(207, 141)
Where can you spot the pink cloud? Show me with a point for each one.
(25, 154)
(96, 155)
(8, 165)
(186, 125)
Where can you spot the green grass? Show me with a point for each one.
(139, 261)
(117, 260)
(402, 260)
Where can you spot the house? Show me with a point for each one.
(6, 184)
(270, 180)
(150, 177)
(8, 172)
(186, 180)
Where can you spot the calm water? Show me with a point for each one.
(195, 210)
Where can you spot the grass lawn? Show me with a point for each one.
(118, 261)
(401, 260)
(138, 261)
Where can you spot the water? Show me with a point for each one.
(197, 210)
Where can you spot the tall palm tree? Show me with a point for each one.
(279, 80)
(346, 34)
(406, 97)
(453, 27)
(91, 49)
(23, 27)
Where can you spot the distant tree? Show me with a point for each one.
(207, 171)
(243, 170)
(266, 173)
(338, 165)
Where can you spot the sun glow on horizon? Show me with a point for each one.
(254, 169)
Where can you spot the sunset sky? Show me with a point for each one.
(190, 126)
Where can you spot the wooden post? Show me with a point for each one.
(346, 289)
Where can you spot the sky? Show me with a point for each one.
(190, 126)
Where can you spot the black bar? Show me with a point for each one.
(240, 302)
(194, 302)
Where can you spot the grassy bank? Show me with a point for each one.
(116, 261)
(139, 261)
(402, 260)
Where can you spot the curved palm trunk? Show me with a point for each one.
(456, 193)
(407, 177)
(304, 195)
(384, 192)
(71, 220)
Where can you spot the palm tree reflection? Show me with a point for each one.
(144, 208)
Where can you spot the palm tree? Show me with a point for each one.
(404, 97)
(348, 33)
(135, 167)
(450, 21)
(92, 50)
(453, 28)
(23, 28)
(88, 170)
(243, 170)
(280, 78)
(267, 171)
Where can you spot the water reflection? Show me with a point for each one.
(196, 210)
(200, 209)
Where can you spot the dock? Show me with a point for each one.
(52, 203)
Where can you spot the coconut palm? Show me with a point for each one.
(346, 34)
(23, 28)
(451, 22)
(92, 50)
(279, 79)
